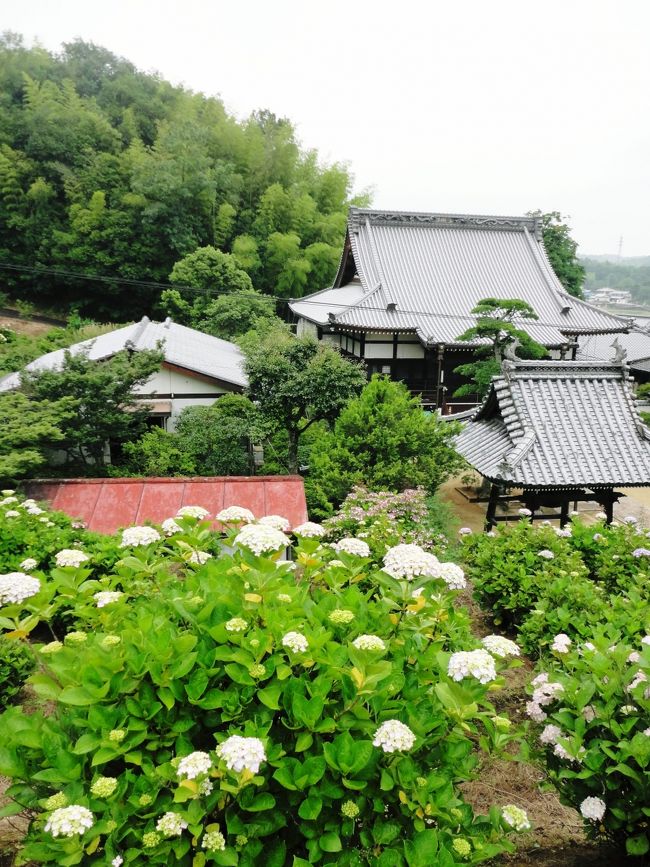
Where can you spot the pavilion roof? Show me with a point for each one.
(551, 424)
(425, 272)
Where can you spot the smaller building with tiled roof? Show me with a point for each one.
(559, 431)
(196, 370)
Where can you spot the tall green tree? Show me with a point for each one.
(115, 173)
(297, 382)
(494, 332)
(106, 406)
(28, 428)
(383, 440)
(562, 251)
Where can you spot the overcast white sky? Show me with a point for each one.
(469, 106)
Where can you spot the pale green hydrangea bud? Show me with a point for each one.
(52, 647)
(116, 735)
(145, 800)
(341, 616)
(103, 787)
(462, 847)
(257, 671)
(55, 802)
(241, 840)
(350, 810)
(150, 839)
(76, 637)
(110, 640)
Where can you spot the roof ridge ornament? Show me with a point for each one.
(369, 216)
(620, 353)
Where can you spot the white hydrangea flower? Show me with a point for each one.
(452, 575)
(646, 732)
(550, 734)
(199, 557)
(630, 519)
(546, 693)
(563, 532)
(477, 663)
(12, 513)
(515, 817)
(535, 712)
(16, 587)
(170, 527)
(369, 642)
(393, 735)
(546, 554)
(117, 861)
(465, 531)
(310, 530)
(241, 754)
(593, 809)
(8, 500)
(7, 492)
(500, 646)
(235, 515)
(597, 537)
(213, 841)
(645, 639)
(296, 642)
(28, 564)
(627, 709)
(561, 643)
(525, 513)
(71, 557)
(192, 512)
(236, 624)
(133, 537)
(261, 539)
(635, 656)
(277, 522)
(106, 597)
(171, 825)
(409, 561)
(601, 516)
(70, 821)
(349, 545)
(194, 765)
(589, 713)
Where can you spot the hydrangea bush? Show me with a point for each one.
(248, 710)
(384, 519)
(593, 701)
(542, 583)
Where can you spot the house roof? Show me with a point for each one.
(184, 347)
(550, 424)
(598, 347)
(105, 505)
(425, 272)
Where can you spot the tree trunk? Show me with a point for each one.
(293, 451)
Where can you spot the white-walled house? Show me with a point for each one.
(197, 368)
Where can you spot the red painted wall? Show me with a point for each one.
(105, 505)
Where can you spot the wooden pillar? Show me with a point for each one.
(609, 507)
(564, 512)
(439, 376)
(492, 507)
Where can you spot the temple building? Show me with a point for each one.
(407, 284)
(550, 433)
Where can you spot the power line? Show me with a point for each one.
(41, 269)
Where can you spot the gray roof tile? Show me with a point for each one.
(184, 347)
(434, 268)
(559, 424)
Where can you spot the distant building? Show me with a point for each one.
(197, 368)
(610, 296)
(407, 284)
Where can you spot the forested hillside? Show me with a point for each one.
(622, 274)
(106, 170)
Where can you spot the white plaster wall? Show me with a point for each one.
(167, 381)
(305, 328)
(379, 350)
(406, 350)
